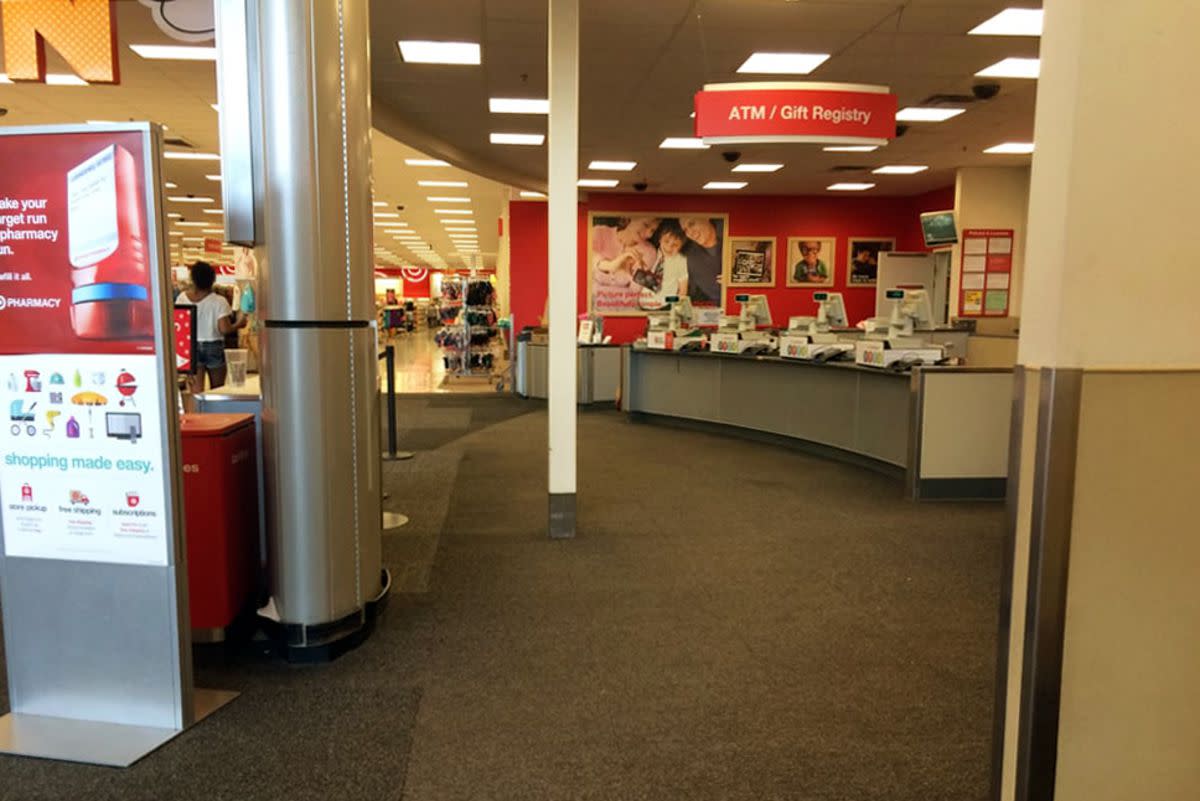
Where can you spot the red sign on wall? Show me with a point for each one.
(728, 113)
(985, 282)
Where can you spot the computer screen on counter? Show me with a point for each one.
(939, 228)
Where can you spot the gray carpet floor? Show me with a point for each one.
(734, 621)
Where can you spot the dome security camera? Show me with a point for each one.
(985, 91)
(731, 155)
(641, 186)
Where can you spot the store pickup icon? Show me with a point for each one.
(132, 499)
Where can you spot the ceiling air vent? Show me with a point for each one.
(849, 168)
(946, 100)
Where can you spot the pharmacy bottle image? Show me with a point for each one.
(106, 233)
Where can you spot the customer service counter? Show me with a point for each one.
(943, 430)
(598, 371)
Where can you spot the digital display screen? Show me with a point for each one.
(939, 228)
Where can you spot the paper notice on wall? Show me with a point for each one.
(996, 301)
(997, 281)
(975, 245)
(972, 301)
(972, 280)
(974, 264)
(1000, 244)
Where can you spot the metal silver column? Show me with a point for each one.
(320, 398)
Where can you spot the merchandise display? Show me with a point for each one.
(470, 327)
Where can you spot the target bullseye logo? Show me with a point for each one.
(414, 275)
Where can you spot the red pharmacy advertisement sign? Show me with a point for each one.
(79, 376)
(728, 113)
(75, 254)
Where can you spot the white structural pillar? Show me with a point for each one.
(563, 170)
(1098, 693)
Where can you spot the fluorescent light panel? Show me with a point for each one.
(851, 148)
(682, 143)
(598, 183)
(64, 79)
(927, 114)
(1011, 22)
(380, 214)
(1012, 68)
(216, 177)
(445, 199)
(214, 211)
(428, 52)
(175, 52)
(900, 169)
(758, 168)
(442, 183)
(170, 185)
(194, 224)
(518, 105)
(188, 155)
(1011, 148)
(533, 195)
(516, 138)
(725, 185)
(189, 199)
(453, 211)
(782, 63)
(614, 166)
(426, 163)
(850, 187)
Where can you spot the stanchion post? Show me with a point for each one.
(391, 398)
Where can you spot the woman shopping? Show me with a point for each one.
(214, 319)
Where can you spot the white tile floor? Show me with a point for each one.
(420, 369)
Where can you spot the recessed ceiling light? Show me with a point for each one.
(4, 78)
(926, 114)
(378, 203)
(615, 166)
(528, 194)
(446, 199)
(216, 177)
(170, 185)
(850, 187)
(175, 215)
(1017, 148)
(64, 79)
(518, 105)
(189, 199)
(758, 168)
(851, 148)
(426, 52)
(442, 183)
(725, 185)
(598, 183)
(194, 224)
(177, 233)
(189, 155)
(683, 143)
(381, 214)
(452, 221)
(214, 230)
(516, 139)
(175, 52)
(783, 63)
(900, 169)
(215, 107)
(453, 211)
(1012, 68)
(213, 211)
(1011, 22)
(426, 163)
(192, 239)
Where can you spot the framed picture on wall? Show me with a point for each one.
(636, 260)
(810, 260)
(751, 261)
(863, 253)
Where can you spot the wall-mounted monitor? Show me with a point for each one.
(939, 228)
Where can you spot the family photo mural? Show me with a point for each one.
(635, 262)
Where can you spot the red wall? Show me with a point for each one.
(781, 217)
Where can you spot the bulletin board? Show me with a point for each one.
(985, 285)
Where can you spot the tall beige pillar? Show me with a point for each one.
(1101, 697)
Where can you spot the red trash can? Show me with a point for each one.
(220, 495)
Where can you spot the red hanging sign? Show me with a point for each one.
(832, 113)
